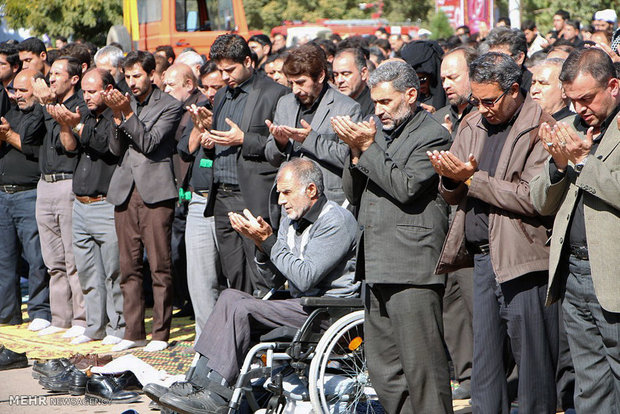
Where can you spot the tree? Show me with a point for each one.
(439, 25)
(87, 19)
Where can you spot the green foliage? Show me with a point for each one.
(87, 19)
(439, 25)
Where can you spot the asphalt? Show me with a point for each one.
(20, 393)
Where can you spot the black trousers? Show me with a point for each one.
(514, 309)
(458, 309)
(236, 251)
(407, 362)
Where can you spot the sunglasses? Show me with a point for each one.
(485, 102)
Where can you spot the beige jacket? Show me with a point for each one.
(600, 182)
(517, 233)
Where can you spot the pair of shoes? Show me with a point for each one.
(12, 360)
(126, 344)
(71, 380)
(74, 331)
(202, 401)
(461, 393)
(105, 388)
(182, 388)
(89, 360)
(49, 368)
(38, 324)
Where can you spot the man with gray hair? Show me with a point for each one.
(191, 59)
(110, 58)
(547, 90)
(403, 222)
(314, 251)
(497, 230)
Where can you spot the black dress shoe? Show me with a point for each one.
(182, 388)
(128, 381)
(103, 388)
(12, 360)
(202, 401)
(49, 368)
(71, 380)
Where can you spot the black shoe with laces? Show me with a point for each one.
(182, 388)
(202, 401)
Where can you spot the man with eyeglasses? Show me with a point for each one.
(497, 230)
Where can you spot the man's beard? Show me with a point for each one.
(403, 112)
(460, 100)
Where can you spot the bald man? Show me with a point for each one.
(181, 83)
(95, 245)
(21, 133)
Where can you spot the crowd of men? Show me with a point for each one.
(468, 189)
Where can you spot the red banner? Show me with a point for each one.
(469, 12)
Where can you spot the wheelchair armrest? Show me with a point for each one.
(332, 302)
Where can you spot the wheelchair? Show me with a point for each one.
(319, 368)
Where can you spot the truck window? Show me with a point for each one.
(149, 11)
(204, 15)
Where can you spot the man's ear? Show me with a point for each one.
(321, 78)
(248, 62)
(520, 58)
(311, 190)
(364, 74)
(152, 75)
(411, 95)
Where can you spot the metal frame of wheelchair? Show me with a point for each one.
(325, 354)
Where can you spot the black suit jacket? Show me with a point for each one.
(254, 173)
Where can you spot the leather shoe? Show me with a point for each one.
(49, 368)
(104, 388)
(202, 401)
(12, 360)
(71, 380)
(461, 393)
(89, 360)
(128, 381)
(182, 388)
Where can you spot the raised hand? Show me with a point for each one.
(115, 100)
(42, 92)
(234, 136)
(297, 134)
(448, 165)
(278, 134)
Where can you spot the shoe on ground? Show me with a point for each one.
(38, 324)
(49, 368)
(111, 340)
(156, 346)
(71, 380)
(461, 393)
(182, 388)
(82, 339)
(126, 344)
(50, 330)
(202, 401)
(74, 331)
(103, 388)
(89, 360)
(12, 360)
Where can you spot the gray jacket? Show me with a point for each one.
(321, 260)
(600, 183)
(403, 219)
(322, 145)
(145, 144)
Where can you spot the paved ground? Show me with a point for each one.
(20, 393)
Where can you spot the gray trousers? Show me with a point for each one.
(203, 262)
(54, 213)
(406, 358)
(95, 247)
(594, 340)
(236, 319)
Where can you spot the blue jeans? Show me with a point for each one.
(19, 233)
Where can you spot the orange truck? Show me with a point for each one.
(178, 23)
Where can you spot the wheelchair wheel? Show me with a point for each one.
(338, 377)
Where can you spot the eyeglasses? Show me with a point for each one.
(485, 102)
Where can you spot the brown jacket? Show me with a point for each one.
(517, 233)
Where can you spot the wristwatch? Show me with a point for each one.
(579, 166)
(76, 129)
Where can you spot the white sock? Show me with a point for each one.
(74, 331)
(111, 340)
(38, 324)
(155, 346)
(82, 339)
(127, 344)
(50, 330)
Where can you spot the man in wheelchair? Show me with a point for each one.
(313, 250)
